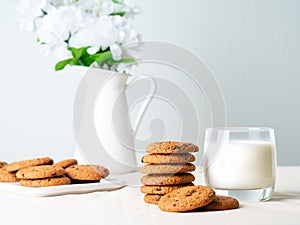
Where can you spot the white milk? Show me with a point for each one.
(240, 165)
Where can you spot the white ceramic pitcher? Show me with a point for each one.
(101, 120)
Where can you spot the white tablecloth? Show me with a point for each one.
(126, 206)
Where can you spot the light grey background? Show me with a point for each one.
(252, 46)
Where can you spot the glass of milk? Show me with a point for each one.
(241, 162)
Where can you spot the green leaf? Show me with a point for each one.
(38, 40)
(75, 62)
(117, 2)
(113, 62)
(87, 60)
(62, 64)
(118, 14)
(129, 60)
(78, 52)
(44, 12)
(102, 57)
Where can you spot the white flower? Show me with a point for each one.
(59, 49)
(57, 3)
(100, 34)
(116, 52)
(89, 6)
(107, 8)
(59, 24)
(128, 7)
(28, 11)
(97, 24)
(55, 28)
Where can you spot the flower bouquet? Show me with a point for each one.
(82, 32)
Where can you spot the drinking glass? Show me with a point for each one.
(241, 161)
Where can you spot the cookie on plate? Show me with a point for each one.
(87, 172)
(168, 158)
(163, 179)
(222, 203)
(170, 147)
(168, 168)
(39, 172)
(3, 164)
(28, 163)
(6, 176)
(186, 199)
(53, 181)
(66, 163)
(161, 190)
(152, 198)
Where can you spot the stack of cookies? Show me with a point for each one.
(41, 172)
(168, 167)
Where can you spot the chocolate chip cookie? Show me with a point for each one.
(168, 158)
(186, 199)
(87, 172)
(161, 190)
(53, 181)
(39, 172)
(168, 168)
(66, 163)
(28, 163)
(6, 176)
(222, 203)
(181, 178)
(170, 147)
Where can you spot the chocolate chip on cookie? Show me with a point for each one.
(39, 172)
(186, 199)
(28, 163)
(3, 164)
(152, 198)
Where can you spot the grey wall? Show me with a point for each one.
(36, 103)
(252, 46)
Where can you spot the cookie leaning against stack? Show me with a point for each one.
(200, 198)
(167, 167)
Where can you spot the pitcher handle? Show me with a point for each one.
(146, 103)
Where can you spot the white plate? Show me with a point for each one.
(105, 185)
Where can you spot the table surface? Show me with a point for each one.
(126, 206)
